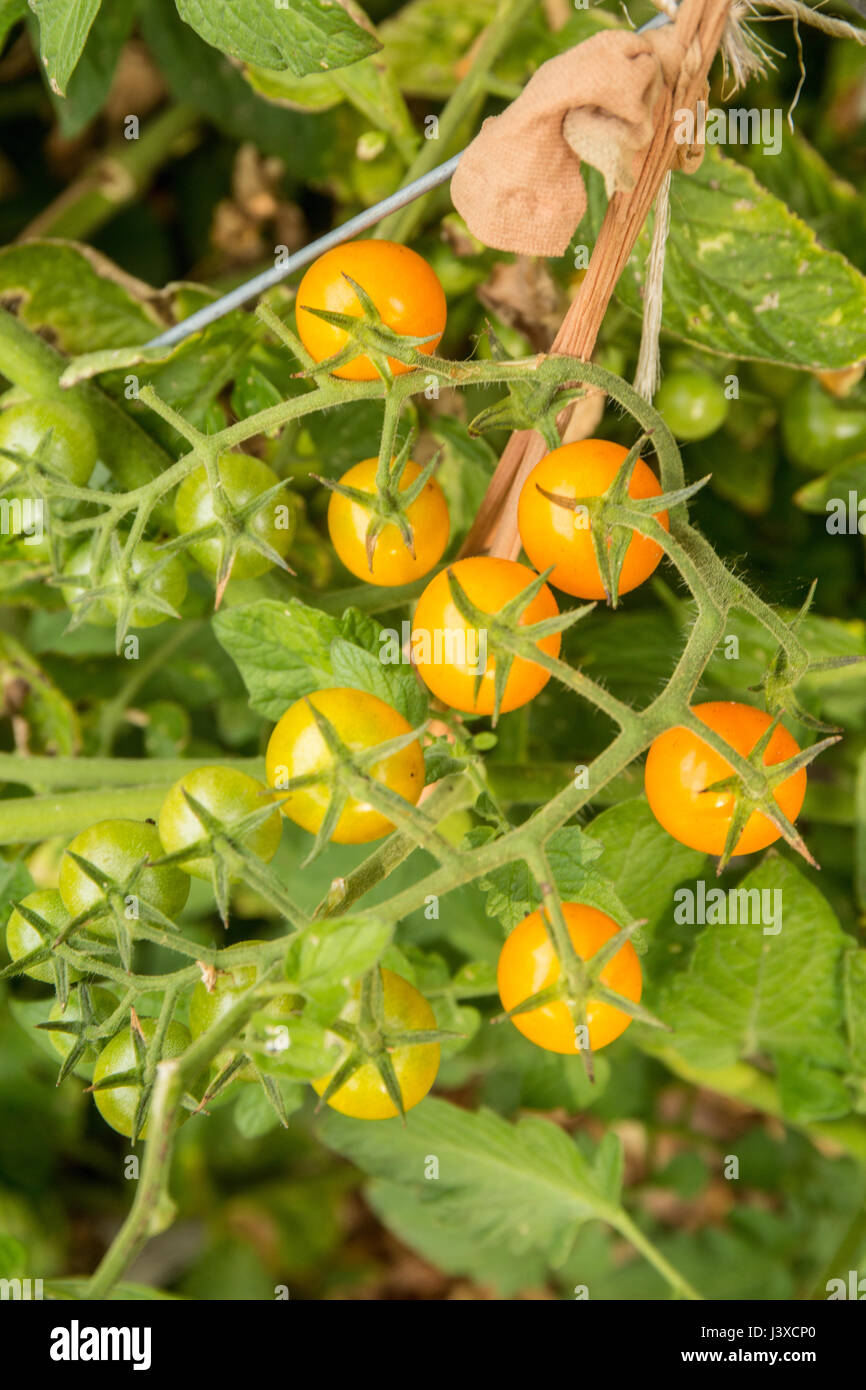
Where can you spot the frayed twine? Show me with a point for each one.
(648, 373)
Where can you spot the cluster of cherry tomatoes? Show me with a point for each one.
(386, 542)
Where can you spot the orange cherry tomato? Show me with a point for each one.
(528, 963)
(393, 562)
(556, 535)
(403, 287)
(680, 766)
(449, 652)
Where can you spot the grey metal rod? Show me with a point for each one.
(251, 289)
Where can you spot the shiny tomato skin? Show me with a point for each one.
(692, 404)
(243, 478)
(229, 795)
(167, 583)
(403, 287)
(116, 847)
(680, 765)
(71, 448)
(528, 963)
(445, 647)
(22, 937)
(364, 1096)
(554, 535)
(117, 1105)
(297, 748)
(393, 562)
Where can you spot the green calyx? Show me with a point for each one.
(507, 638)
(579, 981)
(368, 336)
(390, 504)
(348, 775)
(371, 1042)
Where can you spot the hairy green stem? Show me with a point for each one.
(117, 178)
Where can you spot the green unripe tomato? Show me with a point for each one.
(206, 1007)
(243, 478)
(819, 431)
(227, 794)
(70, 451)
(117, 847)
(102, 1005)
(167, 583)
(692, 404)
(118, 1105)
(22, 938)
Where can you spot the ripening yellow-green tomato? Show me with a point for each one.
(364, 1095)
(22, 937)
(297, 749)
(229, 795)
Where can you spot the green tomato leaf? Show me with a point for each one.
(304, 36)
(805, 181)
(512, 892)
(80, 296)
(854, 987)
(808, 1092)
(368, 85)
(282, 650)
(89, 84)
(305, 1050)
(329, 953)
(63, 29)
(744, 276)
(746, 992)
(286, 650)
(644, 862)
(219, 91)
(481, 1162)
(395, 684)
(457, 1252)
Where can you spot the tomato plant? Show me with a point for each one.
(51, 434)
(118, 1103)
(212, 999)
(23, 935)
(156, 587)
(693, 404)
(393, 558)
(253, 537)
(227, 795)
(114, 856)
(367, 1092)
(432, 661)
